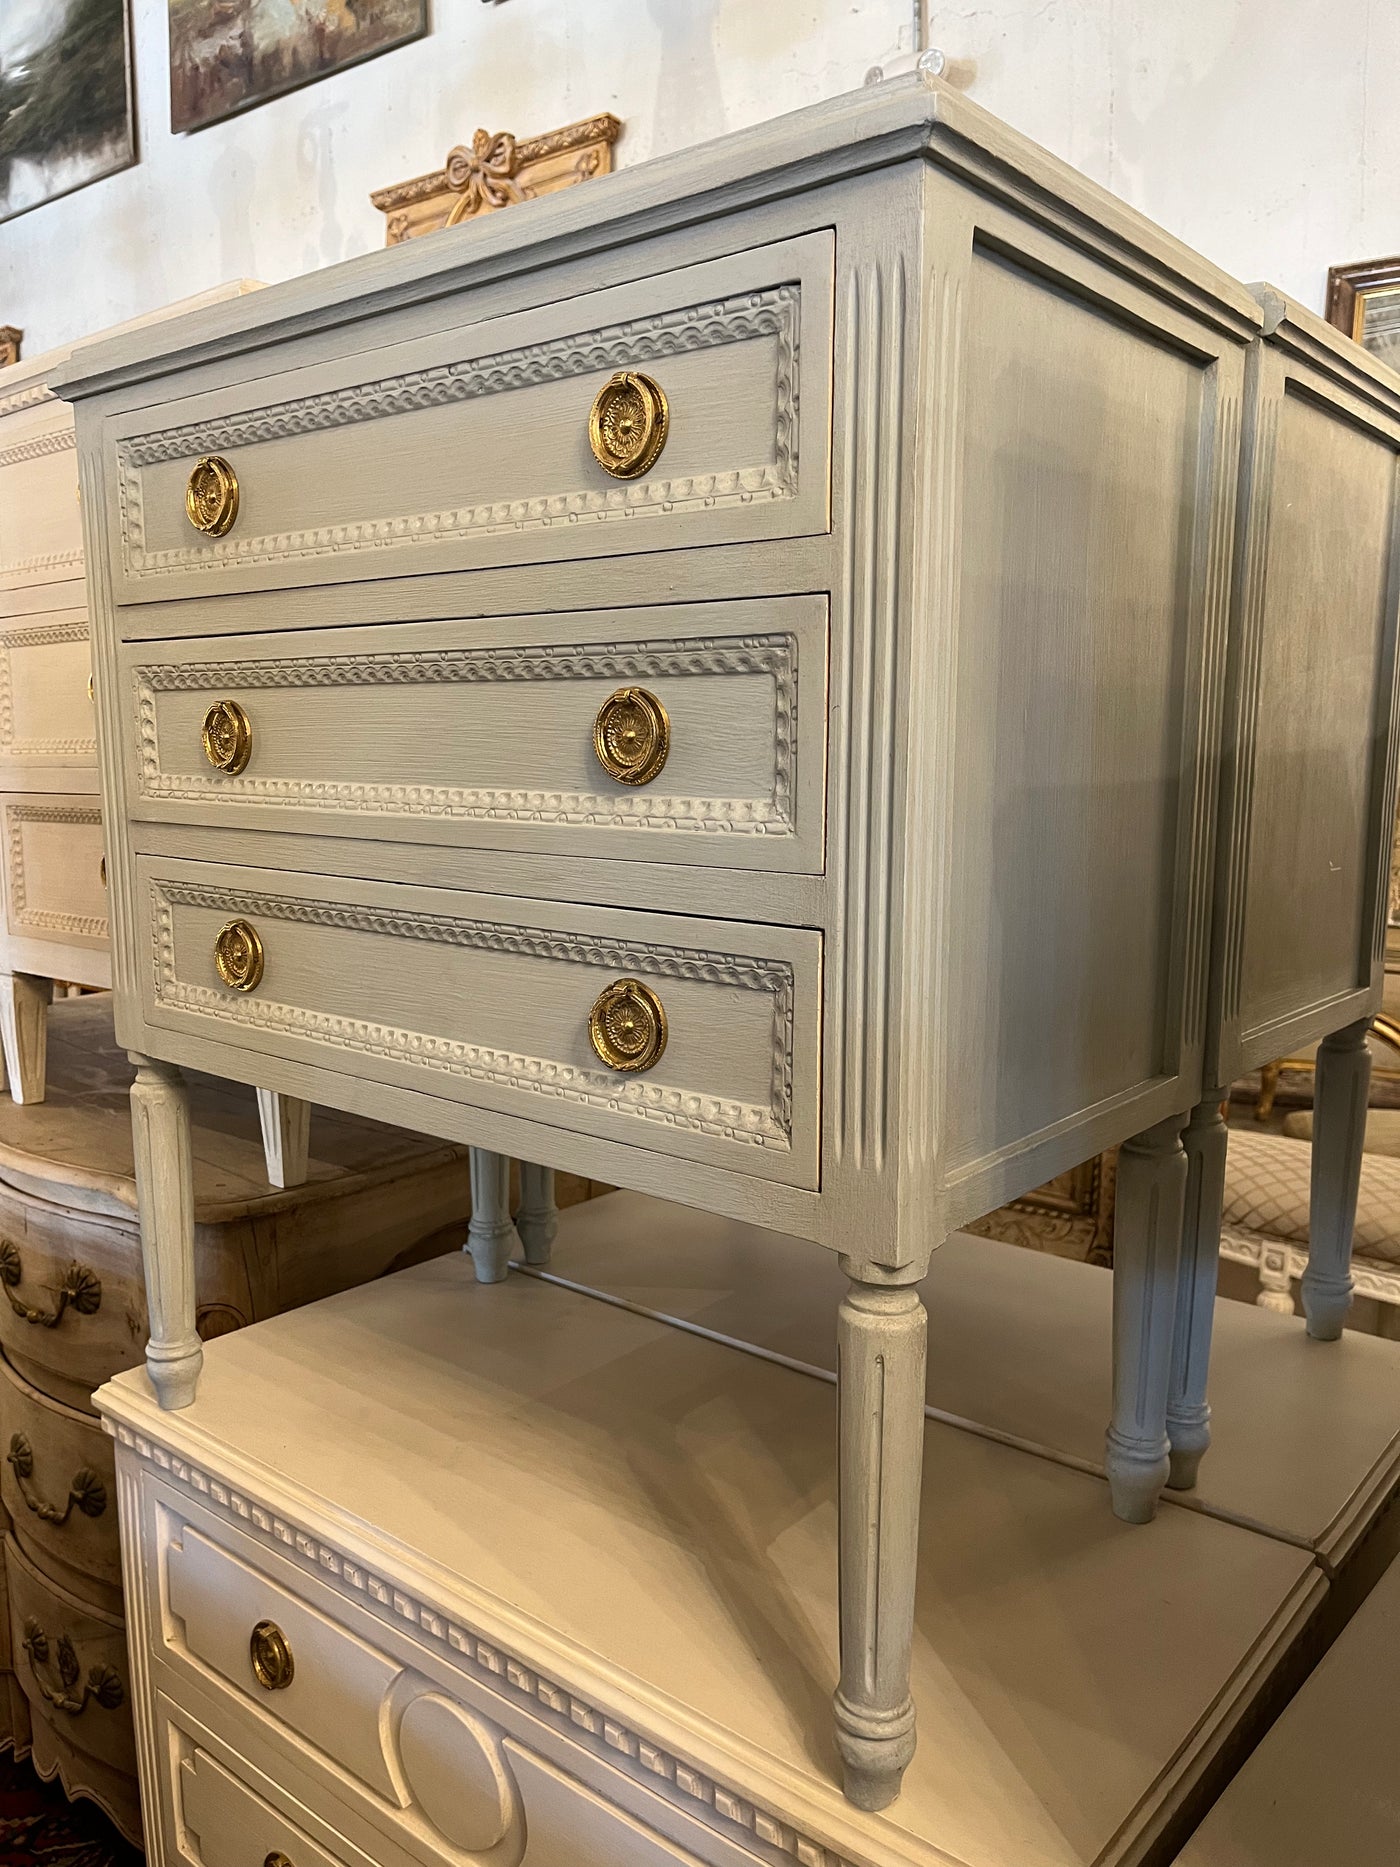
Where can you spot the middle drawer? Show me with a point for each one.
(684, 733)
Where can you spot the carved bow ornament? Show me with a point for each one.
(483, 175)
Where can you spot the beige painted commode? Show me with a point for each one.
(714, 683)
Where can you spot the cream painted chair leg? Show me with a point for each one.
(882, 1336)
(1146, 1253)
(1342, 1090)
(491, 1237)
(538, 1218)
(1188, 1410)
(286, 1133)
(24, 1025)
(160, 1127)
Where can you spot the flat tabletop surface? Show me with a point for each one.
(1305, 1434)
(1324, 1786)
(571, 1479)
(75, 1146)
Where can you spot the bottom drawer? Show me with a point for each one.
(55, 881)
(218, 1818)
(70, 1660)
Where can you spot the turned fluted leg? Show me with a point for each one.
(1343, 1086)
(491, 1236)
(1146, 1253)
(881, 1342)
(160, 1127)
(1188, 1411)
(286, 1133)
(538, 1218)
(24, 1027)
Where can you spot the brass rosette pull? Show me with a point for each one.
(628, 424)
(227, 737)
(627, 1026)
(80, 1290)
(87, 1490)
(102, 1687)
(271, 1654)
(238, 956)
(211, 496)
(632, 735)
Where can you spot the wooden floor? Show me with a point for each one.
(664, 1504)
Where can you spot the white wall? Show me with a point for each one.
(1265, 132)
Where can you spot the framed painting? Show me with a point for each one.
(230, 55)
(1364, 301)
(66, 116)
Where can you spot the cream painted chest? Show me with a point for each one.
(51, 849)
(711, 682)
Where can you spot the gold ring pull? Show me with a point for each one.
(627, 1026)
(238, 956)
(276, 1859)
(271, 1656)
(92, 693)
(211, 497)
(632, 735)
(227, 737)
(628, 424)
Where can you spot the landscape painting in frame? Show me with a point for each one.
(227, 55)
(65, 98)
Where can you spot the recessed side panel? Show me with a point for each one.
(1318, 730)
(1085, 497)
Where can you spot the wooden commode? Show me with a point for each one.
(711, 681)
(51, 849)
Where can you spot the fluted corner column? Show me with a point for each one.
(1188, 1410)
(538, 1218)
(491, 1236)
(160, 1127)
(1146, 1255)
(1343, 1086)
(882, 1333)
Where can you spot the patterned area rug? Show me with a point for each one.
(39, 1827)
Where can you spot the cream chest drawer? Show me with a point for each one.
(688, 1037)
(46, 711)
(55, 871)
(489, 444)
(223, 1823)
(41, 532)
(688, 733)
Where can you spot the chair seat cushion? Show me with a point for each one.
(1382, 1129)
(1266, 1191)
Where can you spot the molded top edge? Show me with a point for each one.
(846, 135)
(1309, 335)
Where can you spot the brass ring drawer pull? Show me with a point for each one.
(627, 1026)
(211, 497)
(81, 1290)
(238, 956)
(268, 1649)
(103, 1686)
(87, 1490)
(628, 424)
(632, 735)
(227, 737)
(276, 1859)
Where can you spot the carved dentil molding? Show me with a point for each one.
(774, 312)
(774, 656)
(681, 1108)
(51, 564)
(48, 920)
(64, 441)
(487, 1662)
(29, 397)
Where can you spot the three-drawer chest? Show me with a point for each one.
(710, 681)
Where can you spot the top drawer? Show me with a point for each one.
(40, 522)
(474, 448)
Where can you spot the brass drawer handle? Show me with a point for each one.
(238, 956)
(276, 1859)
(80, 1290)
(632, 735)
(211, 497)
(273, 1666)
(87, 1490)
(227, 737)
(103, 1686)
(102, 870)
(627, 1026)
(628, 424)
